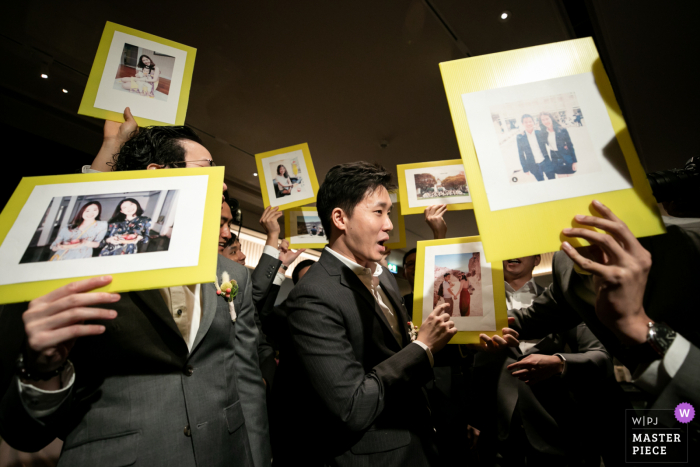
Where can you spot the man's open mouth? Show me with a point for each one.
(514, 261)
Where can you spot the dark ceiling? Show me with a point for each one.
(341, 76)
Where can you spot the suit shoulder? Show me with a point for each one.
(233, 268)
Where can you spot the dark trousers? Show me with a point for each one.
(541, 170)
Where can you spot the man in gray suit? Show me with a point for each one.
(349, 384)
(145, 382)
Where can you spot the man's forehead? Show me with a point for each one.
(378, 197)
(226, 212)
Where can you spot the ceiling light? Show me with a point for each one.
(255, 174)
(44, 75)
(505, 16)
(65, 91)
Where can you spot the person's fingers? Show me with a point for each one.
(70, 317)
(607, 242)
(50, 339)
(77, 287)
(438, 310)
(500, 341)
(584, 263)
(520, 373)
(442, 209)
(510, 332)
(511, 341)
(127, 114)
(617, 228)
(486, 341)
(450, 324)
(445, 317)
(511, 321)
(284, 244)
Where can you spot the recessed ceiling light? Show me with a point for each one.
(44, 75)
(65, 91)
(255, 174)
(505, 16)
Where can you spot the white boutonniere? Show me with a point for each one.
(228, 290)
(412, 331)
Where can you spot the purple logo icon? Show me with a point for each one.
(684, 412)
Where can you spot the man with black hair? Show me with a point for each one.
(351, 372)
(159, 376)
(534, 157)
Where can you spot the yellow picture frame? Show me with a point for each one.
(399, 226)
(499, 292)
(203, 272)
(404, 200)
(539, 225)
(87, 104)
(288, 229)
(266, 185)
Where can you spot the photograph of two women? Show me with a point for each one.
(86, 226)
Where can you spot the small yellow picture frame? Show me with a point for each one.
(419, 182)
(312, 235)
(397, 237)
(156, 95)
(536, 228)
(59, 229)
(287, 187)
(480, 295)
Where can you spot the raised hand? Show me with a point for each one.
(54, 321)
(114, 136)
(433, 217)
(497, 343)
(620, 266)
(437, 329)
(288, 256)
(536, 367)
(269, 223)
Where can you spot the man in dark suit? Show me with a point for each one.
(161, 377)
(635, 300)
(532, 151)
(350, 382)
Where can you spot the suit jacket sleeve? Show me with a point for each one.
(249, 379)
(262, 277)
(548, 314)
(352, 395)
(589, 361)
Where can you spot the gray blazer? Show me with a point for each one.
(141, 397)
(263, 277)
(670, 295)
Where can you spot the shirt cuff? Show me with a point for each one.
(89, 170)
(279, 278)
(39, 402)
(654, 377)
(427, 350)
(566, 364)
(272, 251)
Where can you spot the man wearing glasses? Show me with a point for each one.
(155, 377)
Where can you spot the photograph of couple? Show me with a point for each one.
(139, 73)
(80, 227)
(457, 282)
(544, 139)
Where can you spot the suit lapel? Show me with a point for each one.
(208, 301)
(154, 301)
(395, 300)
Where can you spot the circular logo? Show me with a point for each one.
(684, 412)
(515, 179)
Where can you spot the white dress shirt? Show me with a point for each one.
(534, 146)
(370, 278)
(552, 140)
(522, 298)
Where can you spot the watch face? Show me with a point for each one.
(661, 337)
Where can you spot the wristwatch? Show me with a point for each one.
(660, 337)
(24, 373)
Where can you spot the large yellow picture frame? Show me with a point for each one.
(87, 104)
(499, 293)
(260, 161)
(403, 190)
(288, 229)
(536, 228)
(203, 272)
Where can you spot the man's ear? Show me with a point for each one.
(339, 220)
(154, 166)
(538, 260)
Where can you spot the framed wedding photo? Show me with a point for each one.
(303, 229)
(428, 183)
(149, 229)
(287, 177)
(541, 136)
(149, 74)
(455, 271)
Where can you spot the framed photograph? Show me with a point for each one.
(455, 271)
(149, 229)
(150, 75)
(303, 229)
(541, 135)
(397, 237)
(429, 183)
(287, 177)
